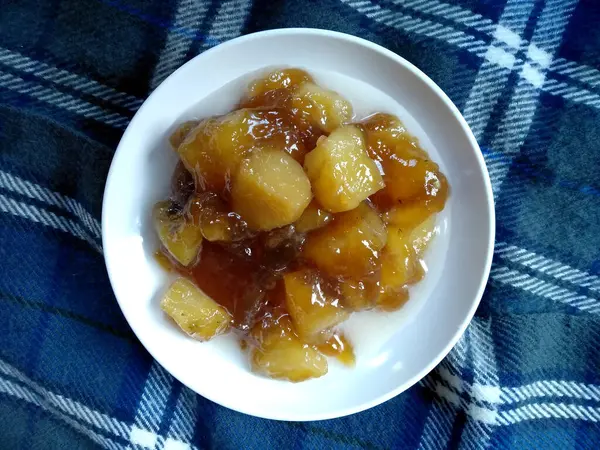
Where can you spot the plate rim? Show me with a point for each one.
(120, 150)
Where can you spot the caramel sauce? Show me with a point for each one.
(234, 282)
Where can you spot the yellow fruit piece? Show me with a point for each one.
(313, 218)
(387, 135)
(215, 148)
(340, 170)
(179, 135)
(164, 261)
(399, 263)
(392, 299)
(339, 347)
(409, 173)
(278, 79)
(195, 313)
(180, 237)
(281, 354)
(407, 177)
(407, 216)
(401, 258)
(313, 311)
(359, 295)
(322, 107)
(270, 190)
(350, 245)
(421, 236)
(437, 191)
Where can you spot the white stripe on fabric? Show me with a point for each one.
(76, 414)
(62, 100)
(61, 405)
(483, 414)
(547, 266)
(448, 34)
(438, 427)
(20, 209)
(183, 423)
(449, 12)
(549, 411)
(550, 388)
(487, 416)
(398, 20)
(573, 93)
(517, 120)
(80, 83)
(151, 408)
(64, 408)
(19, 392)
(577, 71)
(32, 190)
(437, 431)
(485, 373)
(228, 22)
(574, 70)
(190, 15)
(490, 82)
(511, 395)
(545, 289)
(174, 444)
(496, 168)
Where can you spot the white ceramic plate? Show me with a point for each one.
(393, 350)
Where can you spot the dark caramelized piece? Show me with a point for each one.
(182, 185)
(274, 251)
(280, 248)
(302, 136)
(216, 221)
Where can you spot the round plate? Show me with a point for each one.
(393, 350)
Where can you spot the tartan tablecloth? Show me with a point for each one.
(526, 76)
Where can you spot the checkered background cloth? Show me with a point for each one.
(526, 76)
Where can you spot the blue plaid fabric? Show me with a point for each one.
(525, 74)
